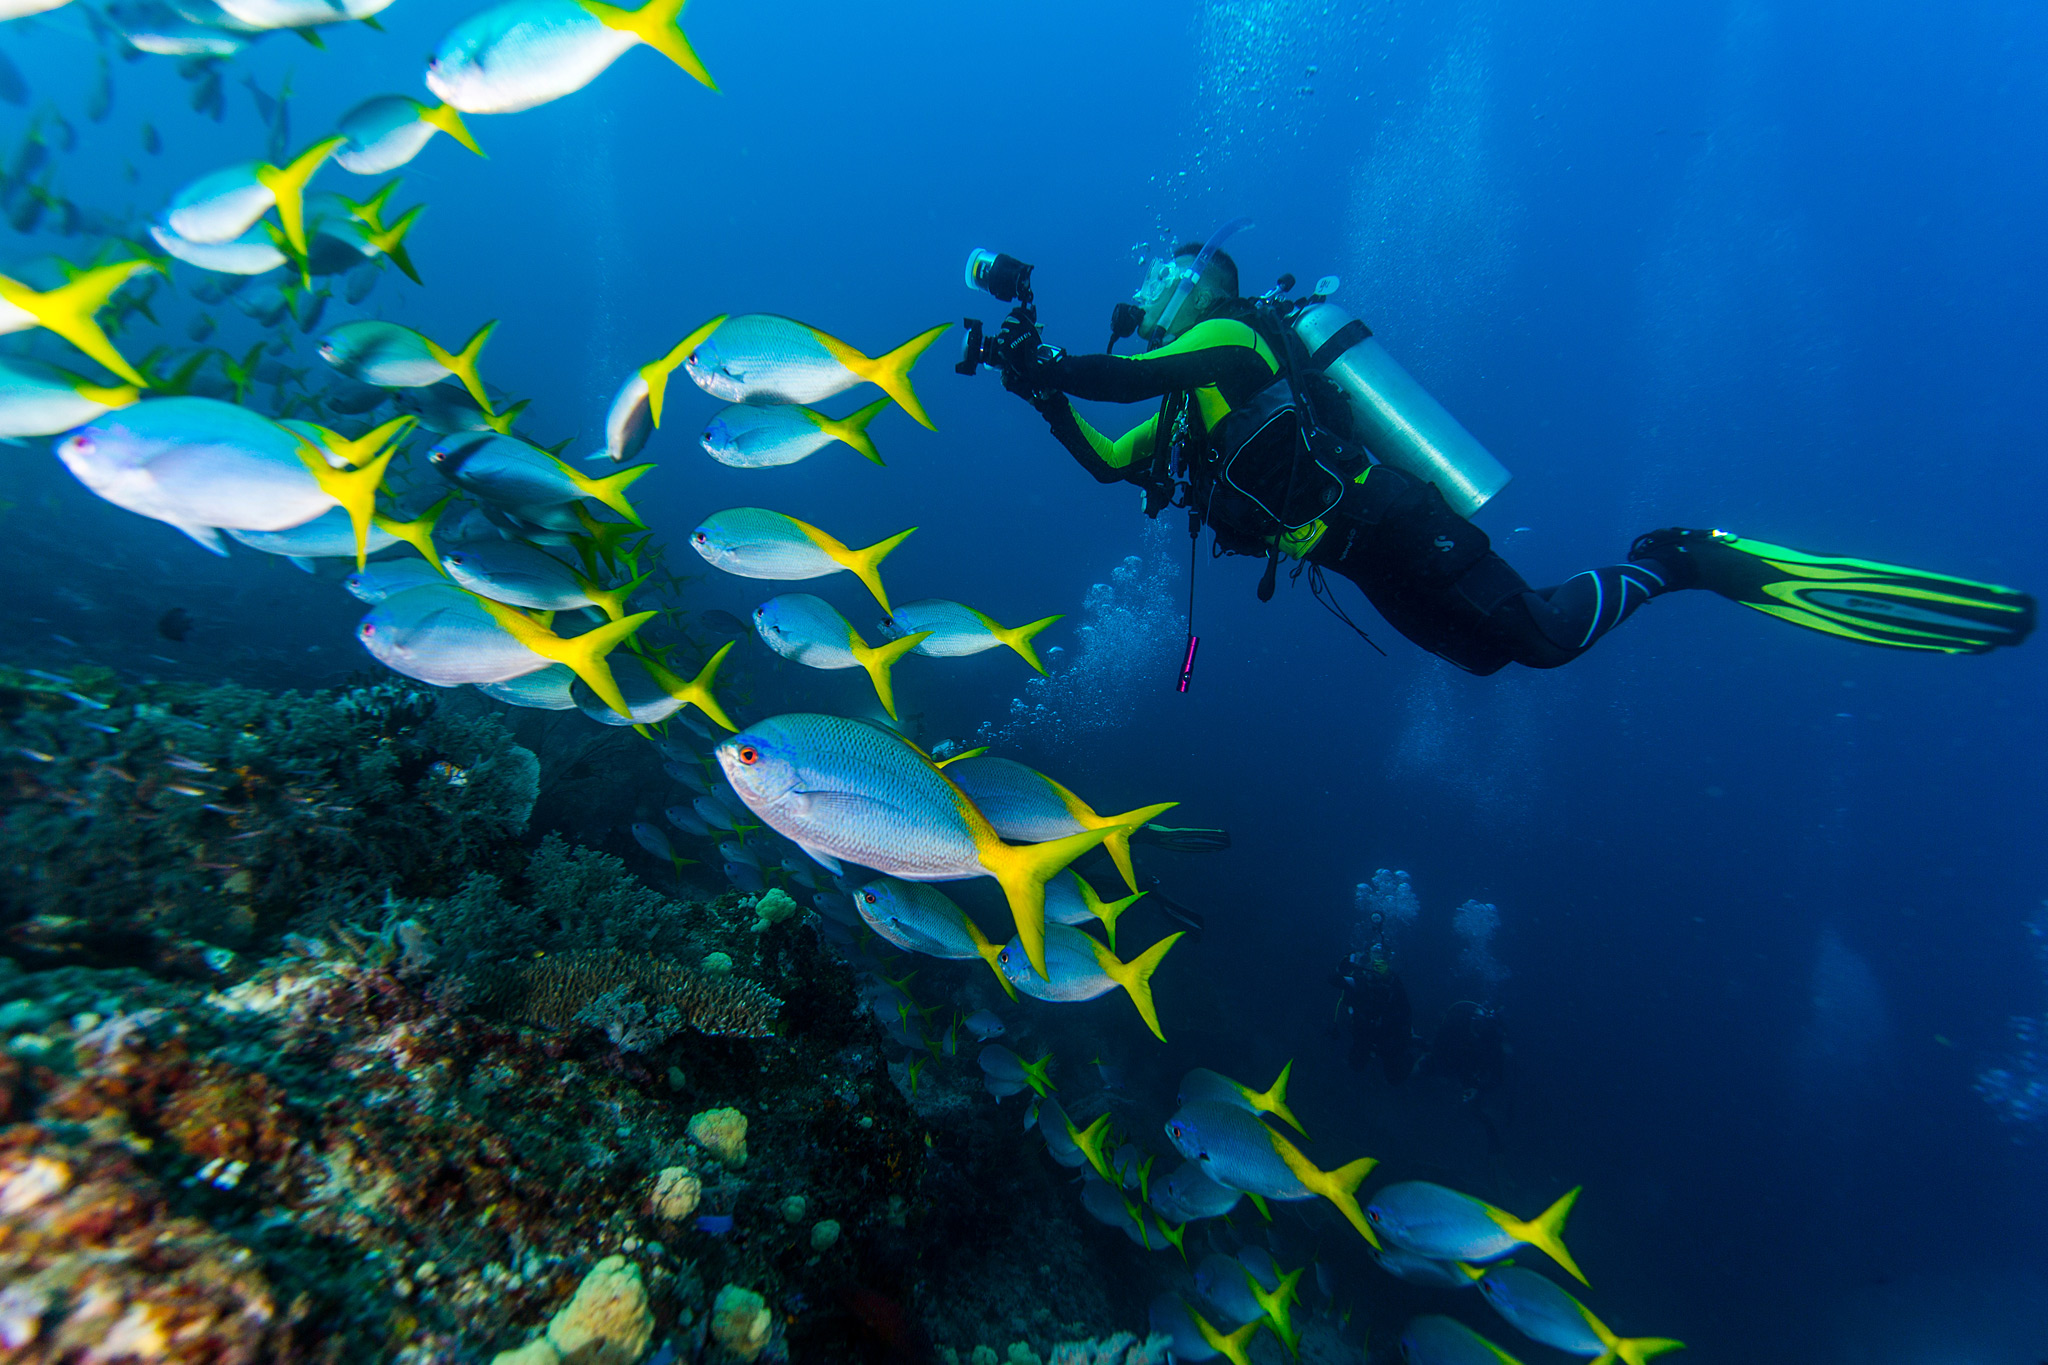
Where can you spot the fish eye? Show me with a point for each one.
(699, 537)
(868, 896)
(749, 754)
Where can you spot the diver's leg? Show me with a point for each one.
(1570, 617)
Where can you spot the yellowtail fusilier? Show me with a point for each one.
(42, 400)
(525, 53)
(331, 535)
(844, 789)
(748, 437)
(922, 919)
(1193, 1336)
(1079, 968)
(432, 639)
(1185, 1195)
(953, 629)
(1238, 1151)
(1069, 899)
(264, 15)
(393, 357)
(1058, 1131)
(161, 31)
(351, 470)
(1226, 1286)
(386, 131)
(1436, 1340)
(443, 635)
(507, 471)
(345, 233)
(1541, 1311)
(1006, 1069)
(1202, 1086)
(198, 464)
(760, 358)
(223, 205)
(69, 309)
(523, 575)
(636, 408)
(808, 630)
(375, 582)
(652, 693)
(1444, 1225)
(252, 253)
(546, 690)
(1025, 804)
(1406, 1265)
(752, 542)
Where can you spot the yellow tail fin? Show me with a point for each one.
(654, 24)
(419, 532)
(1340, 1186)
(1022, 870)
(107, 395)
(878, 660)
(1019, 637)
(970, 753)
(866, 565)
(1259, 1203)
(355, 489)
(501, 422)
(610, 601)
(362, 449)
(1233, 1346)
(697, 691)
(462, 363)
(68, 311)
(1035, 1075)
(583, 653)
(656, 372)
(445, 117)
(1636, 1350)
(890, 372)
(287, 185)
(1092, 1140)
(391, 241)
(1135, 977)
(1545, 1231)
(1176, 1236)
(611, 489)
(852, 428)
(1278, 1314)
(1273, 1100)
(1106, 911)
(989, 951)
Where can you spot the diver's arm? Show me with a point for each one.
(1222, 352)
(1108, 461)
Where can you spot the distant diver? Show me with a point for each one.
(1375, 1004)
(1287, 430)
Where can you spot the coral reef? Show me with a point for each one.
(425, 1087)
(161, 824)
(637, 1001)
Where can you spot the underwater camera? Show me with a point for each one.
(1009, 280)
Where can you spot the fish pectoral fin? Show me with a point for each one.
(207, 537)
(822, 859)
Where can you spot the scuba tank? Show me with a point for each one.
(1396, 418)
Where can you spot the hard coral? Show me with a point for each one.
(723, 1133)
(555, 991)
(741, 1322)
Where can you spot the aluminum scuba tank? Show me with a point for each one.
(1400, 423)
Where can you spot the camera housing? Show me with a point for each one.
(1007, 279)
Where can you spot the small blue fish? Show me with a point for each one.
(1058, 1131)
(752, 542)
(1239, 1152)
(1226, 1287)
(952, 630)
(810, 631)
(374, 582)
(686, 820)
(761, 438)
(386, 131)
(1444, 1225)
(1007, 1073)
(763, 359)
(525, 53)
(1185, 1194)
(1435, 1340)
(984, 1025)
(1541, 1311)
(1079, 968)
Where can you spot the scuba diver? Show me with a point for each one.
(1469, 1051)
(1287, 430)
(1376, 1002)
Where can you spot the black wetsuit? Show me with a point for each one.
(1376, 1003)
(1431, 573)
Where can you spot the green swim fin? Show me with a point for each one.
(1857, 599)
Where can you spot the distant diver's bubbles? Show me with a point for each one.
(1476, 922)
(1849, 1025)
(2016, 1084)
(1385, 906)
(1130, 635)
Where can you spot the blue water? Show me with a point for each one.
(1767, 266)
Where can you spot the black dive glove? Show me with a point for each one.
(1026, 362)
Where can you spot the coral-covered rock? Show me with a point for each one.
(676, 1193)
(741, 1322)
(607, 1322)
(723, 1133)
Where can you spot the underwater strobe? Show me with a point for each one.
(1008, 279)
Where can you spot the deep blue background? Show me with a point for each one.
(1774, 267)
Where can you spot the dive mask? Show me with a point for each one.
(1175, 279)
